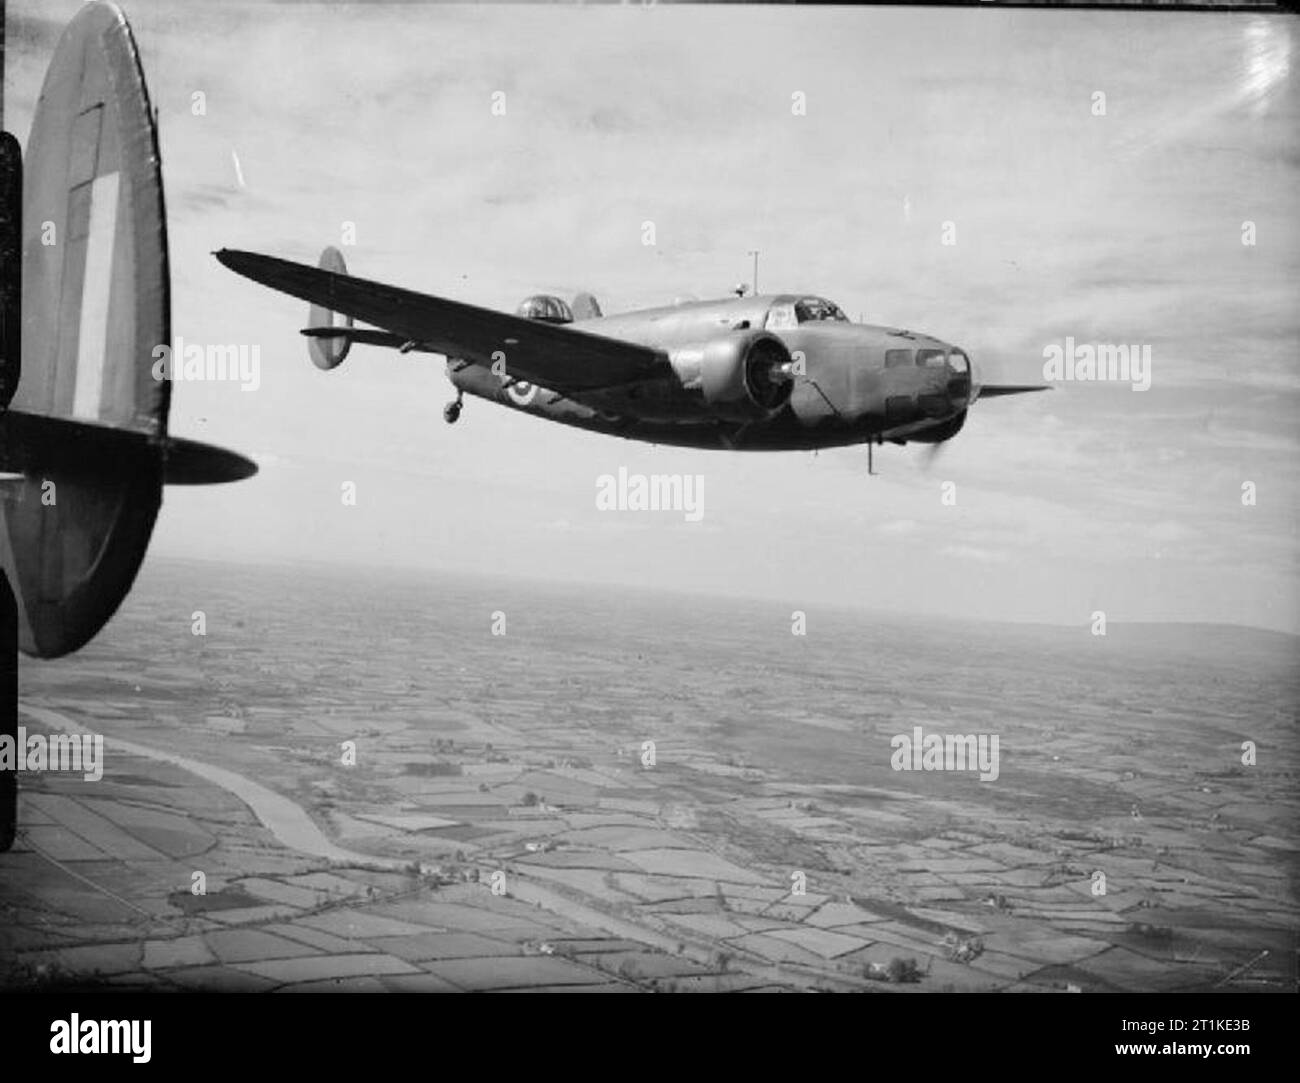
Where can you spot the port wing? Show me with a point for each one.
(562, 358)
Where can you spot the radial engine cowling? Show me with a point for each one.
(742, 376)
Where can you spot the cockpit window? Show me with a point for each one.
(897, 358)
(815, 309)
(931, 359)
(545, 307)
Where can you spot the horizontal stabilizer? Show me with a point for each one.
(189, 462)
(41, 446)
(363, 335)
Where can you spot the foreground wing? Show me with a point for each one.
(555, 356)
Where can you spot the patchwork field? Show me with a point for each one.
(636, 792)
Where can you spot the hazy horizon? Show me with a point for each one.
(427, 573)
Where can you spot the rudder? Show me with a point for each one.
(326, 352)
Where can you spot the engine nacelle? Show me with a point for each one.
(741, 376)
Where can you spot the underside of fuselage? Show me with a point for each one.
(785, 430)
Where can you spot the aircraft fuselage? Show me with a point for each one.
(852, 383)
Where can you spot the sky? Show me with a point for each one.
(1122, 228)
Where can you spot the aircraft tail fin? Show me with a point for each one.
(86, 277)
(585, 307)
(328, 351)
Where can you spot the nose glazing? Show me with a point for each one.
(959, 379)
(947, 382)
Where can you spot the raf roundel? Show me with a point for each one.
(522, 392)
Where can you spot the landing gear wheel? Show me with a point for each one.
(451, 413)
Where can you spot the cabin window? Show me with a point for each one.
(546, 308)
(818, 309)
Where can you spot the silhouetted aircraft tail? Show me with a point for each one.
(84, 439)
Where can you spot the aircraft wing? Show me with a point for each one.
(563, 358)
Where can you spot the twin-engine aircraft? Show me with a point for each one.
(776, 372)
